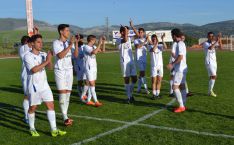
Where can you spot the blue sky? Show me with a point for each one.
(87, 13)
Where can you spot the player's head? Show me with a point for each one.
(210, 36)
(176, 34)
(91, 39)
(154, 38)
(81, 41)
(64, 30)
(141, 32)
(122, 30)
(183, 37)
(25, 40)
(36, 41)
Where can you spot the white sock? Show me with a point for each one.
(63, 105)
(31, 120)
(139, 85)
(157, 92)
(184, 96)
(128, 90)
(79, 89)
(52, 119)
(68, 101)
(143, 80)
(211, 85)
(186, 87)
(154, 92)
(26, 107)
(84, 92)
(94, 95)
(179, 97)
(89, 95)
(171, 86)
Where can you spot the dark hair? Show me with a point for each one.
(209, 33)
(62, 27)
(141, 29)
(90, 37)
(176, 32)
(24, 40)
(153, 36)
(35, 37)
(122, 28)
(81, 36)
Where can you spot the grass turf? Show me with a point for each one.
(207, 114)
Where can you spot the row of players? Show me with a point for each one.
(37, 90)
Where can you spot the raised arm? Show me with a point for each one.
(164, 44)
(133, 28)
(98, 49)
(76, 52)
(63, 53)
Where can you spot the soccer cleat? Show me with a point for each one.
(153, 97)
(84, 98)
(98, 104)
(132, 99)
(128, 101)
(34, 133)
(68, 122)
(58, 132)
(147, 92)
(189, 94)
(159, 97)
(179, 109)
(171, 95)
(212, 94)
(90, 103)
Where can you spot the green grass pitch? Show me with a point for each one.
(205, 115)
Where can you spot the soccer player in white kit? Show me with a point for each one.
(90, 52)
(141, 54)
(156, 59)
(210, 59)
(180, 68)
(23, 50)
(38, 87)
(63, 69)
(127, 62)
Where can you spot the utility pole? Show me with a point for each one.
(107, 29)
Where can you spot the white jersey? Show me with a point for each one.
(141, 53)
(156, 59)
(36, 82)
(125, 50)
(23, 50)
(180, 50)
(89, 58)
(173, 49)
(66, 62)
(210, 55)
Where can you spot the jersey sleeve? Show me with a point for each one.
(136, 42)
(57, 48)
(88, 50)
(182, 48)
(29, 62)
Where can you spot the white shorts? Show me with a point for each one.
(179, 78)
(157, 71)
(141, 66)
(36, 98)
(80, 72)
(64, 79)
(128, 69)
(212, 69)
(91, 73)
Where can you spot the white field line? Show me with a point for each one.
(13, 57)
(124, 126)
(143, 124)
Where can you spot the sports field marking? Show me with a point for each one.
(124, 126)
(143, 124)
